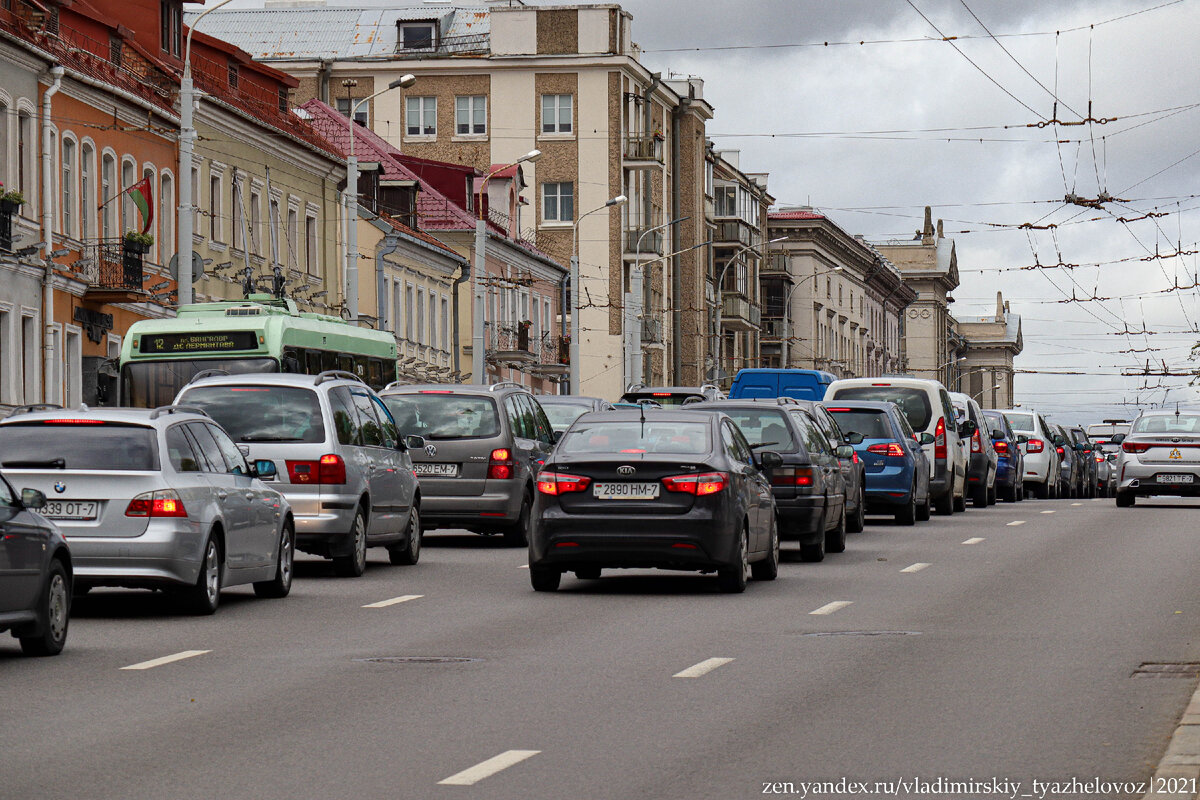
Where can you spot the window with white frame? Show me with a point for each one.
(397, 321)
(557, 113)
(470, 115)
(558, 202)
(166, 217)
(421, 116)
(418, 35)
(255, 243)
(239, 215)
(293, 237)
(26, 148)
(421, 337)
(445, 324)
(4, 114)
(108, 189)
(273, 222)
(361, 116)
(311, 260)
(214, 209)
(433, 320)
(129, 211)
(69, 215)
(408, 312)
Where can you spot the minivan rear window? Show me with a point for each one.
(913, 402)
(1020, 422)
(89, 446)
(444, 415)
(250, 413)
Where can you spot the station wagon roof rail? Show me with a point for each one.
(161, 410)
(505, 385)
(35, 407)
(208, 373)
(336, 375)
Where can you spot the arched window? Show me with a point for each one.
(128, 209)
(69, 194)
(166, 217)
(4, 170)
(87, 191)
(108, 192)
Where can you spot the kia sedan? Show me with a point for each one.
(1160, 456)
(679, 490)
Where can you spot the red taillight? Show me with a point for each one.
(1035, 446)
(792, 476)
(1001, 447)
(435, 391)
(500, 465)
(660, 394)
(330, 469)
(1099, 459)
(886, 449)
(706, 483)
(976, 442)
(939, 439)
(163, 503)
(854, 458)
(72, 422)
(557, 483)
(838, 410)
(1059, 450)
(333, 469)
(1135, 447)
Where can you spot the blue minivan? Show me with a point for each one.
(802, 384)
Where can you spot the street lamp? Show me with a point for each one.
(633, 371)
(478, 354)
(575, 287)
(403, 82)
(978, 394)
(948, 363)
(787, 313)
(719, 301)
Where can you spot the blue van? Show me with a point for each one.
(803, 384)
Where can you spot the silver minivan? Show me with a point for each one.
(154, 499)
(340, 461)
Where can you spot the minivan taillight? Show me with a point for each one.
(706, 483)
(330, 469)
(1035, 446)
(976, 442)
(163, 503)
(939, 439)
(557, 483)
(500, 464)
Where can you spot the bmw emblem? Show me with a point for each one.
(60, 487)
(626, 471)
(430, 450)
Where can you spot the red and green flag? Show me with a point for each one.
(142, 196)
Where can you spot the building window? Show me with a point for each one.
(68, 187)
(310, 244)
(283, 99)
(214, 208)
(255, 243)
(233, 76)
(171, 14)
(129, 211)
(166, 218)
(360, 113)
(87, 191)
(273, 221)
(25, 152)
(239, 216)
(108, 180)
(114, 50)
(470, 115)
(433, 325)
(556, 113)
(418, 35)
(558, 202)
(445, 324)
(408, 312)
(421, 116)
(293, 238)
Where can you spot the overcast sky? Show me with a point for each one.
(982, 178)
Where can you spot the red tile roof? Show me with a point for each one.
(795, 215)
(416, 234)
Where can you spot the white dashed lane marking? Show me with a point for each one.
(404, 598)
(703, 668)
(158, 662)
(829, 608)
(1016, 522)
(920, 565)
(484, 769)
(974, 540)
(1076, 504)
(1048, 512)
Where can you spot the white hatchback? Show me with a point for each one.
(1041, 457)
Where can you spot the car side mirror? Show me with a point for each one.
(412, 442)
(32, 498)
(967, 428)
(1112, 456)
(926, 438)
(854, 438)
(1117, 438)
(997, 434)
(845, 451)
(557, 436)
(769, 459)
(1022, 439)
(264, 469)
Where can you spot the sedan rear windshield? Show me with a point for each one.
(913, 402)
(444, 415)
(767, 428)
(1020, 422)
(868, 424)
(634, 436)
(262, 413)
(561, 415)
(1181, 423)
(90, 445)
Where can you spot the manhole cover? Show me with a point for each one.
(1181, 669)
(864, 633)
(417, 660)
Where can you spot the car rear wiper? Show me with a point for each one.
(254, 438)
(54, 463)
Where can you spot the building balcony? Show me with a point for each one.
(773, 328)
(510, 344)
(736, 232)
(554, 356)
(640, 236)
(652, 331)
(738, 313)
(645, 149)
(775, 267)
(117, 270)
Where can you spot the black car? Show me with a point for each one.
(662, 489)
(810, 490)
(35, 574)
(563, 409)
(671, 395)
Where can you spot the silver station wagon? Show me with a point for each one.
(157, 498)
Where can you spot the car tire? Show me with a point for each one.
(204, 596)
(835, 540)
(544, 579)
(960, 501)
(354, 564)
(768, 568)
(588, 574)
(1042, 490)
(991, 495)
(1126, 499)
(944, 505)
(979, 497)
(732, 580)
(1012, 494)
(925, 510)
(54, 614)
(285, 566)
(907, 515)
(856, 523)
(409, 552)
(815, 552)
(517, 534)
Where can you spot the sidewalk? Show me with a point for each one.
(1182, 759)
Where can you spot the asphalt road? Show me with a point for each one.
(1010, 657)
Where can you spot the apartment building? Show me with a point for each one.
(831, 300)
(993, 341)
(496, 82)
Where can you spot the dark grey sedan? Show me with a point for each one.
(35, 574)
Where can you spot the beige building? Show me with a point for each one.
(495, 82)
(992, 342)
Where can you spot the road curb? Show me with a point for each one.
(1182, 759)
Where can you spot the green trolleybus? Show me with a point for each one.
(259, 334)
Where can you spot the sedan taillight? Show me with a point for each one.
(699, 485)
(792, 476)
(1135, 447)
(1001, 447)
(1035, 446)
(558, 483)
(163, 503)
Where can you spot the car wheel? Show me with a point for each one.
(960, 501)
(733, 579)
(544, 580)
(1042, 490)
(908, 514)
(835, 540)
(204, 597)
(409, 552)
(991, 495)
(979, 497)
(517, 535)
(54, 614)
(281, 584)
(588, 573)
(768, 568)
(859, 521)
(814, 552)
(945, 504)
(354, 564)
(925, 510)
(1126, 499)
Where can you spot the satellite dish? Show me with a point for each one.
(197, 266)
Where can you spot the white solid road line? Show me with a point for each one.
(484, 769)
(974, 540)
(404, 598)
(829, 608)
(920, 565)
(1051, 511)
(158, 662)
(703, 668)
(1016, 522)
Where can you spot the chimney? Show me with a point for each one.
(940, 234)
(927, 231)
(999, 306)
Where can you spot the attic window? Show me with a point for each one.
(233, 76)
(114, 50)
(283, 99)
(418, 35)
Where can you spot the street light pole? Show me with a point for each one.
(404, 81)
(636, 311)
(981, 391)
(719, 301)
(478, 354)
(785, 350)
(575, 287)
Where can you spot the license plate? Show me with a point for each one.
(436, 470)
(1176, 479)
(70, 509)
(626, 491)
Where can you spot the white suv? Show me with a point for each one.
(1041, 456)
(926, 404)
